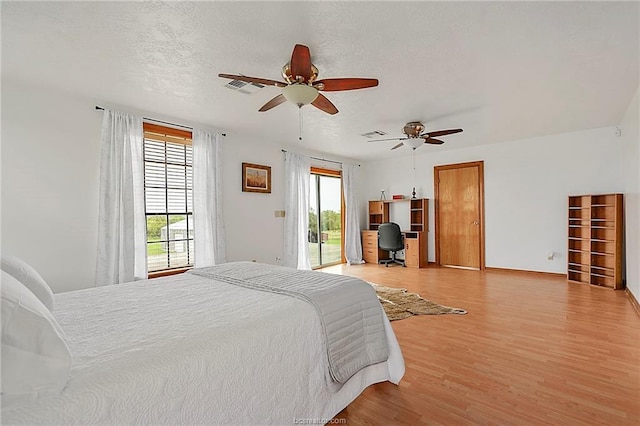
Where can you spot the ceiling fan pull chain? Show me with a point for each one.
(413, 192)
(300, 119)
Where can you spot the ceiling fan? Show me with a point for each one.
(415, 137)
(300, 85)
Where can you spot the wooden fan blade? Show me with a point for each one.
(301, 62)
(433, 141)
(324, 104)
(441, 133)
(392, 139)
(263, 81)
(397, 146)
(336, 84)
(273, 103)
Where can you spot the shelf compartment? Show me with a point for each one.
(579, 201)
(601, 212)
(603, 261)
(578, 223)
(579, 257)
(583, 232)
(603, 224)
(416, 217)
(603, 268)
(604, 273)
(601, 253)
(582, 277)
(579, 214)
(602, 281)
(608, 234)
(577, 267)
(579, 244)
(606, 199)
(601, 246)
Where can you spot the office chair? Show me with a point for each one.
(390, 239)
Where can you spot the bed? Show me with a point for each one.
(201, 348)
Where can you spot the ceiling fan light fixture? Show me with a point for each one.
(300, 94)
(414, 142)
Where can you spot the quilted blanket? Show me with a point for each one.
(348, 309)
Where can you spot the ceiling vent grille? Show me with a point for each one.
(243, 86)
(374, 134)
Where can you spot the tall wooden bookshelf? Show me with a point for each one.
(595, 240)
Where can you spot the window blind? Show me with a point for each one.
(168, 160)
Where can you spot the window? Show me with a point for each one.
(168, 160)
(325, 234)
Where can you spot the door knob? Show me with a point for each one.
(475, 223)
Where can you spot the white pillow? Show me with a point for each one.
(28, 276)
(35, 357)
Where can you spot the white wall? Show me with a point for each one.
(631, 153)
(253, 232)
(50, 157)
(526, 187)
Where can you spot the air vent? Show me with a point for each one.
(374, 134)
(243, 86)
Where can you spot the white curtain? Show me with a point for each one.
(121, 219)
(352, 243)
(296, 220)
(208, 225)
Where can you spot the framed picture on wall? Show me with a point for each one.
(256, 178)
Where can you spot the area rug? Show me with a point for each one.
(399, 304)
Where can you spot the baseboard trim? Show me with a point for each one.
(633, 300)
(524, 271)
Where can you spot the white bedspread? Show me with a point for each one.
(188, 350)
(349, 311)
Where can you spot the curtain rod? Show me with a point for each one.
(322, 159)
(160, 121)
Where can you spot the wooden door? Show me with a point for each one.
(459, 193)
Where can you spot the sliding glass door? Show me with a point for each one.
(325, 218)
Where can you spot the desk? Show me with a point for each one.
(415, 248)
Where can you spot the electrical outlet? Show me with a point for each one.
(279, 213)
(550, 255)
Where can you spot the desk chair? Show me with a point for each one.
(390, 239)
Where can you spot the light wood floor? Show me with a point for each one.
(533, 349)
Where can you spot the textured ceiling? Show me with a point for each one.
(500, 71)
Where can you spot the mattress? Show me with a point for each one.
(190, 350)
